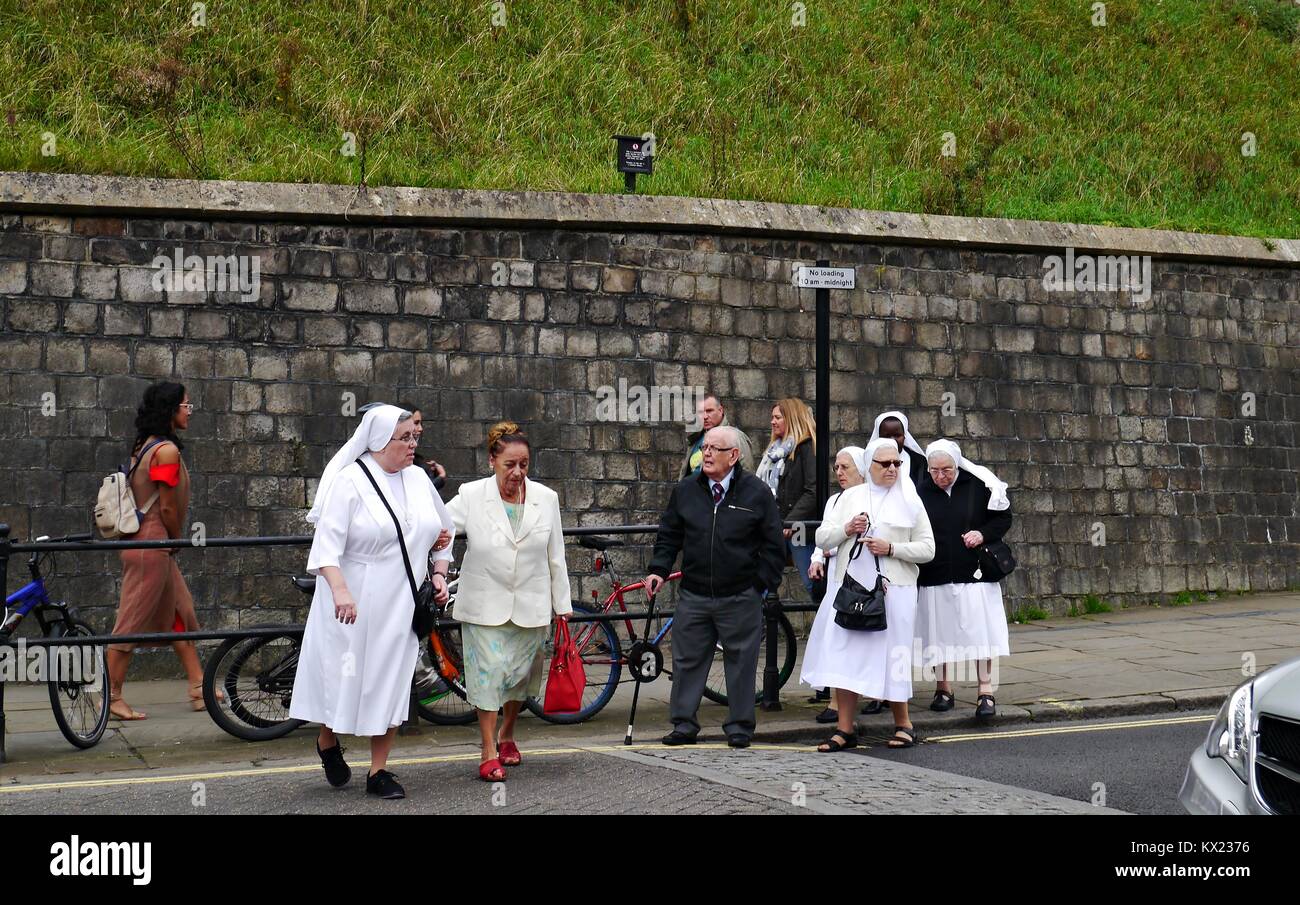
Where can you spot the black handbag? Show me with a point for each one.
(425, 616)
(858, 608)
(995, 559)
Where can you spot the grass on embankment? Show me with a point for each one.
(1136, 123)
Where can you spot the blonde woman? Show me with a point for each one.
(789, 469)
(512, 580)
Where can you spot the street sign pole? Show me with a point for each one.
(824, 278)
(823, 413)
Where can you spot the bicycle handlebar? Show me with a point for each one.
(67, 538)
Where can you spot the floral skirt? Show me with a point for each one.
(502, 663)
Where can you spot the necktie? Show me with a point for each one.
(717, 494)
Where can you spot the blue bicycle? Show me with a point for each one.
(75, 674)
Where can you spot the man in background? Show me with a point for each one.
(710, 414)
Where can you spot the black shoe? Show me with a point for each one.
(943, 701)
(384, 784)
(986, 707)
(337, 770)
(871, 708)
(828, 716)
(823, 694)
(678, 738)
(738, 740)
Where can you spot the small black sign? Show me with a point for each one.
(635, 154)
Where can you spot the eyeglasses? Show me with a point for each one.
(408, 438)
(188, 406)
(943, 471)
(888, 463)
(709, 447)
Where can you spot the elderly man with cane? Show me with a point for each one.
(725, 523)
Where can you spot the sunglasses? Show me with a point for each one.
(888, 463)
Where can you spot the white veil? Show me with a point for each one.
(997, 488)
(373, 434)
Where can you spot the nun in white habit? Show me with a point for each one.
(850, 470)
(894, 425)
(887, 515)
(960, 614)
(358, 651)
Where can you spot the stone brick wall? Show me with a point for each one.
(1097, 410)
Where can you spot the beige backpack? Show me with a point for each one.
(115, 512)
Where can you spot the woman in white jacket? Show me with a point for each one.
(512, 579)
(886, 515)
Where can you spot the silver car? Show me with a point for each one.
(1250, 763)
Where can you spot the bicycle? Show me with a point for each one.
(603, 655)
(78, 683)
(256, 676)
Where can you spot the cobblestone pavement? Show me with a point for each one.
(846, 783)
(606, 779)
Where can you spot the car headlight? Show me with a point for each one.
(1230, 732)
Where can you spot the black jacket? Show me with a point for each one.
(724, 551)
(951, 517)
(796, 494)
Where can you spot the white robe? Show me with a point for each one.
(873, 664)
(356, 678)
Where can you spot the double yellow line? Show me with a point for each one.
(1063, 730)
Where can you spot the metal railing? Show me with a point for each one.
(772, 608)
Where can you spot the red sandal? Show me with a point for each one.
(491, 771)
(509, 754)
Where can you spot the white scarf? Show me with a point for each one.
(773, 464)
(373, 434)
(997, 488)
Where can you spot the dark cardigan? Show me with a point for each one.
(951, 517)
(796, 494)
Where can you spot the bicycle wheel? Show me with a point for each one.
(601, 660)
(715, 688)
(78, 682)
(255, 677)
(440, 682)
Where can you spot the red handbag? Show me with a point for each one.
(567, 678)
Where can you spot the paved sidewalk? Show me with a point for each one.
(1141, 660)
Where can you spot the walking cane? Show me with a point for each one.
(645, 663)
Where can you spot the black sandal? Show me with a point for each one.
(943, 701)
(831, 745)
(909, 742)
(985, 707)
(872, 707)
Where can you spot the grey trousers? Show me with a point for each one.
(699, 623)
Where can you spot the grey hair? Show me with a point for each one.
(940, 453)
(732, 433)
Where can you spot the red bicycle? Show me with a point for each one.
(604, 656)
